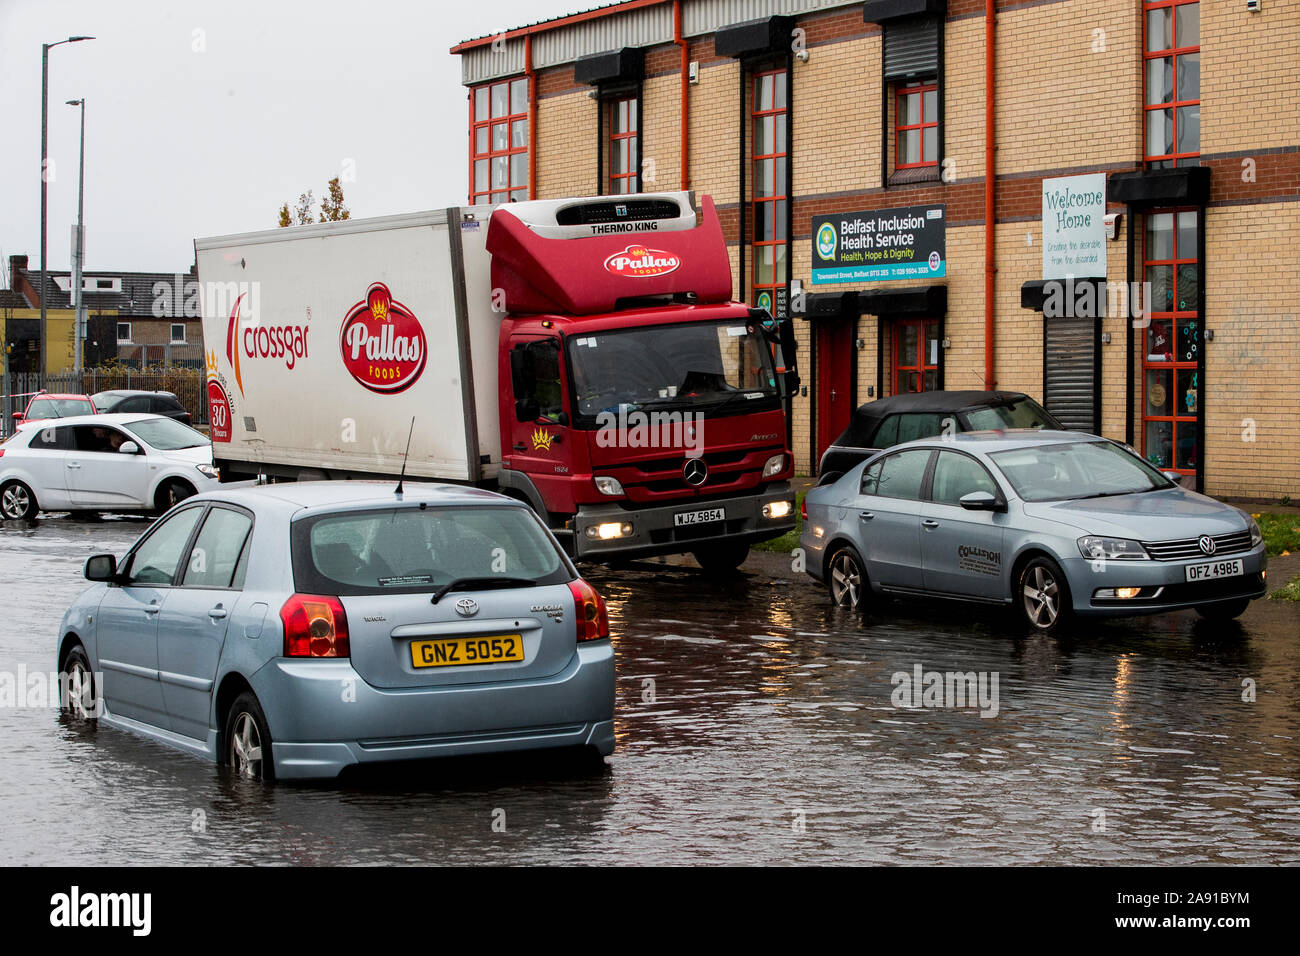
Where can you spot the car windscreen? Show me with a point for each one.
(1074, 470)
(58, 407)
(1021, 413)
(687, 366)
(167, 434)
(409, 548)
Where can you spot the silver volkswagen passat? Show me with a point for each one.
(1053, 523)
(294, 630)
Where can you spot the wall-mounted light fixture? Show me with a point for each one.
(1105, 338)
(946, 343)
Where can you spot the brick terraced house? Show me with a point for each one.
(849, 148)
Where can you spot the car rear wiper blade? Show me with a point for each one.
(460, 584)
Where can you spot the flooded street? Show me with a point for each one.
(755, 725)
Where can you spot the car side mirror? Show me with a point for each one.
(1173, 476)
(129, 448)
(101, 567)
(980, 501)
(18, 416)
(527, 409)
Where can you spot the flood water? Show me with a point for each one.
(755, 725)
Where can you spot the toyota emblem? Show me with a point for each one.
(466, 607)
(695, 471)
(1207, 544)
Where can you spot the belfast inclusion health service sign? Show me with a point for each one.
(903, 243)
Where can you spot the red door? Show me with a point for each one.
(835, 392)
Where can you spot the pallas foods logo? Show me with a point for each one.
(639, 262)
(382, 342)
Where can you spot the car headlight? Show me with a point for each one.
(774, 465)
(608, 486)
(1111, 549)
(1256, 536)
(209, 471)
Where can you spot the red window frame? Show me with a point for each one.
(922, 126)
(628, 180)
(921, 366)
(1167, 320)
(769, 211)
(482, 132)
(1173, 54)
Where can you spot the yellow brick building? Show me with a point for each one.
(793, 114)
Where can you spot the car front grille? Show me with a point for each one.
(1185, 548)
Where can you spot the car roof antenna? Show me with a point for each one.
(402, 476)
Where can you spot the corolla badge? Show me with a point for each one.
(466, 607)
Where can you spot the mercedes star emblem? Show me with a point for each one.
(695, 471)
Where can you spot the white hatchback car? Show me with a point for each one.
(103, 463)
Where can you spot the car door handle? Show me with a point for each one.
(217, 612)
(520, 446)
(153, 607)
(930, 523)
(73, 464)
(866, 515)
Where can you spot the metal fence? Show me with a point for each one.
(187, 384)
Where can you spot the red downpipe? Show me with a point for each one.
(532, 116)
(990, 269)
(686, 82)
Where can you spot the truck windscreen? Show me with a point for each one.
(711, 367)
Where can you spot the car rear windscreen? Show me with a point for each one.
(59, 407)
(1023, 413)
(408, 549)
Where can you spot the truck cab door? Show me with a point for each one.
(540, 436)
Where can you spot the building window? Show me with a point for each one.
(624, 151)
(916, 125)
(124, 333)
(770, 202)
(914, 356)
(178, 333)
(498, 165)
(1171, 343)
(1172, 82)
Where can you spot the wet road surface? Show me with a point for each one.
(755, 725)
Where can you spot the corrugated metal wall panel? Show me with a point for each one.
(649, 26)
(911, 48)
(705, 16)
(485, 63)
(1070, 351)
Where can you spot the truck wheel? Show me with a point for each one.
(722, 558)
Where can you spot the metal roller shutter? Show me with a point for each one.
(911, 48)
(1070, 372)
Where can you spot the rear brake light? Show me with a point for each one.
(314, 626)
(592, 617)
(803, 509)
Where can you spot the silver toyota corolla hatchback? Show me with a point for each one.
(294, 630)
(1052, 523)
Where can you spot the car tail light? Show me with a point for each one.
(314, 626)
(592, 617)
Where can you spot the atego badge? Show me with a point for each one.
(382, 342)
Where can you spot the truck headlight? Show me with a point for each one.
(608, 486)
(609, 529)
(777, 509)
(209, 471)
(774, 466)
(1111, 549)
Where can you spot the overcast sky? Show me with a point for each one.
(192, 134)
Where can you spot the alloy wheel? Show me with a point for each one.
(16, 502)
(246, 747)
(1042, 597)
(846, 580)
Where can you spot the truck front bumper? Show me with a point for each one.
(643, 532)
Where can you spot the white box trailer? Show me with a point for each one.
(396, 304)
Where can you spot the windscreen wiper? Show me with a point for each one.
(460, 584)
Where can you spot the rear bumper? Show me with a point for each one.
(323, 717)
(654, 531)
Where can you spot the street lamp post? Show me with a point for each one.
(79, 247)
(45, 119)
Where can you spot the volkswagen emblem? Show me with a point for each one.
(695, 471)
(1207, 544)
(466, 607)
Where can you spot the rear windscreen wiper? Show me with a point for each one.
(460, 584)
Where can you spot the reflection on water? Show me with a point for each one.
(742, 705)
